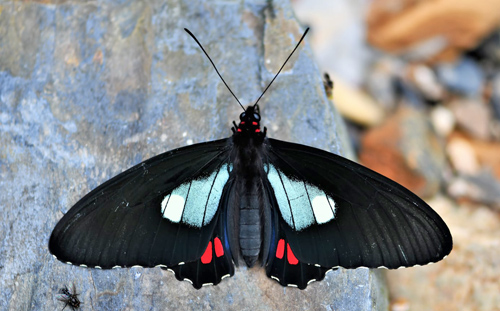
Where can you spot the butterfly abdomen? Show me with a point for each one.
(249, 207)
(250, 228)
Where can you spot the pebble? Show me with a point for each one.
(488, 52)
(487, 153)
(356, 105)
(442, 120)
(464, 76)
(482, 187)
(472, 116)
(380, 81)
(495, 96)
(462, 156)
(426, 81)
(408, 93)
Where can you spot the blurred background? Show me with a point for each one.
(418, 83)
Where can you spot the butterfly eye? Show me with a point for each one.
(242, 116)
(256, 116)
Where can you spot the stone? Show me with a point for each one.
(486, 152)
(442, 120)
(356, 105)
(425, 80)
(434, 30)
(482, 187)
(462, 156)
(405, 150)
(472, 116)
(463, 76)
(380, 81)
(495, 96)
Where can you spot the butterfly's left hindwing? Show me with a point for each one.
(334, 212)
(161, 212)
(216, 262)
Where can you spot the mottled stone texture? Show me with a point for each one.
(88, 89)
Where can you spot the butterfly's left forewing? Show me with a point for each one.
(333, 212)
(161, 212)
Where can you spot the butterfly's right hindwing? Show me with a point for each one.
(160, 212)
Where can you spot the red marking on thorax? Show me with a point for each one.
(254, 123)
(219, 250)
(291, 257)
(280, 250)
(207, 255)
(257, 131)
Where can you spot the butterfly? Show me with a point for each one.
(299, 211)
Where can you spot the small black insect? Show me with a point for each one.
(70, 298)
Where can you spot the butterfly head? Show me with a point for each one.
(249, 122)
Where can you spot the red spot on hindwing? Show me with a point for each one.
(280, 250)
(290, 256)
(207, 255)
(219, 250)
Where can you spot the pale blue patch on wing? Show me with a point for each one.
(280, 194)
(197, 206)
(292, 199)
(196, 203)
(216, 193)
(301, 204)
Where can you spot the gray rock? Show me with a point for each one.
(495, 96)
(338, 37)
(88, 89)
(481, 187)
(464, 76)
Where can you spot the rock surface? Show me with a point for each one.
(88, 89)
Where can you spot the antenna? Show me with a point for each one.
(191, 34)
(282, 66)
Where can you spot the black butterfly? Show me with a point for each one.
(70, 298)
(298, 210)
